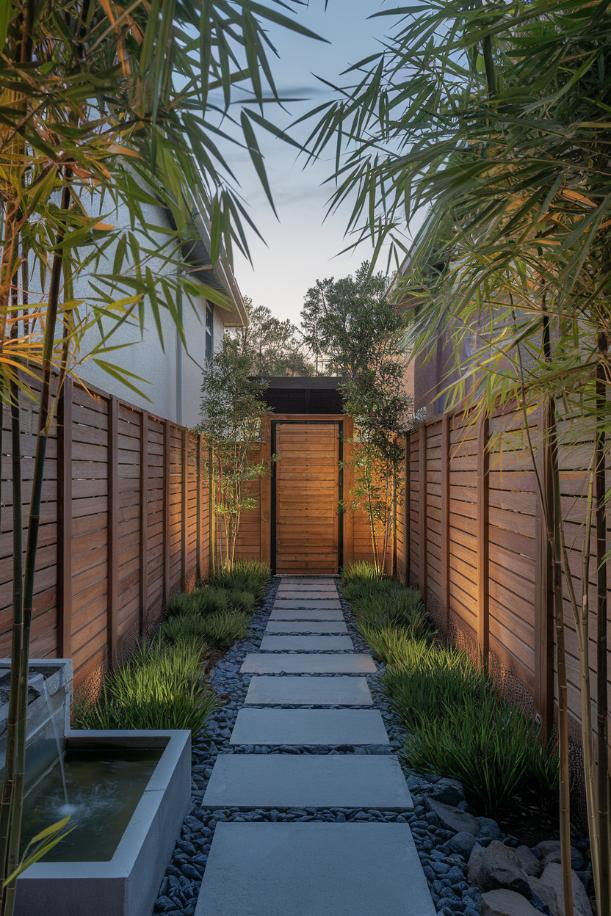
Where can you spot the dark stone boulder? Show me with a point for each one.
(506, 903)
(497, 866)
(452, 818)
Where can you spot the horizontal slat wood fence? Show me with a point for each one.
(124, 524)
(471, 536)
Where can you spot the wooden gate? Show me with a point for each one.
(306, 532)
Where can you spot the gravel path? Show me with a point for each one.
(443, 863)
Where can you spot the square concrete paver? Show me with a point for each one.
(306, 644)
(303, 690)
(280, 613)
(307, 606)
(309, 593)
(305, 626)
(309, 727)
(304, 663)
(313, 869)
(307, 781)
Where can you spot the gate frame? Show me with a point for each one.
(307, 420)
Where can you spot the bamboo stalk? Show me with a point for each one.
(44, 420)
(603, 813)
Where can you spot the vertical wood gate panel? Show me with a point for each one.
(306, 495)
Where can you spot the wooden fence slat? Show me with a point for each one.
(64, 521)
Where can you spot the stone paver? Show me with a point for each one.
(306, 595)
(304, 626)
(309, 727)
(307, 781)
(306, 614)
(306, 644)
(297, 603)
(303, 663)
(308, 691)
(313, 869)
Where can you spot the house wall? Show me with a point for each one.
(170, 374)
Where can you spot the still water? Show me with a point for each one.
(101, 790)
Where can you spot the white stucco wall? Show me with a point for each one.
(171, 374)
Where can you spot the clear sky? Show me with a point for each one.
(300, 247)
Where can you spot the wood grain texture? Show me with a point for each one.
(307, 497)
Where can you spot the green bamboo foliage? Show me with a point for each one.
(493, 120)
(113, 115)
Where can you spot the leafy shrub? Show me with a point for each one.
(224, 627)
(160, 687)
(493, 748)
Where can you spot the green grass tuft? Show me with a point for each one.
(160, 687)
(459, 725)
(224, 628)
(242, 600)
(246, 575)
(493, 748)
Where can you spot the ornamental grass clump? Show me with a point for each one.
(223, 628)
(493, 748)
(246, 575)
(159, 687)
(458, 724)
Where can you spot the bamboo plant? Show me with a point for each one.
(113, 113)
(232, 416)
(482, 130)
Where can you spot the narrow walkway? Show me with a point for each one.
(309, 737)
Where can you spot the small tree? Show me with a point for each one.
(232, 410)
(360, 334)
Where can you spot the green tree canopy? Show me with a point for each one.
(274, 346)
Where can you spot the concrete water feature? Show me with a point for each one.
(126, 792)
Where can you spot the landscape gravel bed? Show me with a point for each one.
(443, 855)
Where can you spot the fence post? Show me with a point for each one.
(64, 521)
(211, 510)
(113, 528)
(408, 497)
(265, 492)
(166, 513)
(144, 489)
(544, 595)
(483, 596)
(422, 437)
(184, 473)
(348, 519)
(445, 519)
(198, 509)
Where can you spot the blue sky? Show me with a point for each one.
(300, 248)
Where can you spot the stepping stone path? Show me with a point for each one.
(309, 692)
